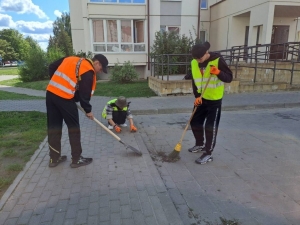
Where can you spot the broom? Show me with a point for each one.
(175, 153)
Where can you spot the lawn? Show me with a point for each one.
(129, 90)
(9, 71)
(14, 96)
(21, 134)
(36, 85)
(107, 88)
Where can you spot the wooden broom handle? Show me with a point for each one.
(101, 124)
(188, 123)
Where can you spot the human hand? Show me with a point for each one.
(198, 101)
(133, 128)
(214, 70)
(90, 115)
(117, 128)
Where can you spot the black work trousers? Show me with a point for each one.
(205, 124)
(59, 110)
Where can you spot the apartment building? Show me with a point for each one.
(125, 29)
(253, 22)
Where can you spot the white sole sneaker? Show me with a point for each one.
(123, 125)
(110, 127)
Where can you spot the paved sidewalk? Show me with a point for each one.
(120, 187)
(170, 104)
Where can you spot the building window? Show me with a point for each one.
(120, 1)
(202, 36)
(175, 29)
(118, 36)
(204, 4)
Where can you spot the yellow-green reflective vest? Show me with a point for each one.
(215, 88)
(115, 108)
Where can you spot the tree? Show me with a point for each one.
(62, 23)
(62, 35)
(7, 52)
(17, 41)
(32, 43)
(54, 54)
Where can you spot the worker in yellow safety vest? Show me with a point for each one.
(73, 79)
(116, 111)
(205, 121)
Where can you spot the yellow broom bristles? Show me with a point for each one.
(178, 147)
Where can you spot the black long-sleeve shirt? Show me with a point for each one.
(225, 74)
(83, 94)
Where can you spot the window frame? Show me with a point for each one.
(119, 34)
(205, 35)
(167, 28)
(206, 7)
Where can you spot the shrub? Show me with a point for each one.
(171, 48)
(124, 73)
(84, 54)
(35, 67)
(54, 54)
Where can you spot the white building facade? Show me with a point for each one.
(125, 29)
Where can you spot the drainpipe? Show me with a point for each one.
(148, 31)
(198, 27)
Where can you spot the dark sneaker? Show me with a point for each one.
(54, 163)
(204, 158)
(81, 162)
(196, 149)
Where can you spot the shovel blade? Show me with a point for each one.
(134, 149)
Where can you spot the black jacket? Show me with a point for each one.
(225, 74)
(83, 95)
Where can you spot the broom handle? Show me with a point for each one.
(101, 125)
(188, 123)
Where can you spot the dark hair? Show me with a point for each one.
(199, 50)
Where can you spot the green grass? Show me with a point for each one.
(14, 96)
(8, 153)
(109, 88)
(14, 167)
(36, 85)
(21, 134)
(9, 71)
(134, 89)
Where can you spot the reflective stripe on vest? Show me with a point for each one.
(114, 108)
(64, 80)
(215, 88)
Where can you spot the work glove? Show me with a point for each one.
(198, 101)
(133, 128)
(117, 129)
(214, 70)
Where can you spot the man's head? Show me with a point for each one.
(200, 52)
(121, 102)
(100, 63)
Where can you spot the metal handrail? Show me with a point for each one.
(249, 55)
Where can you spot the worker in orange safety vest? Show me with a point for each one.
(73, 79)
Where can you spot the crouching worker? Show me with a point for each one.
(116, 111)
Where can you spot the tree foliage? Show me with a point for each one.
(32, 43)
(17, 42)
(63, 23)
(54, 54)
(35, 67)
(62, 38)
(171, 48)
(6, 51)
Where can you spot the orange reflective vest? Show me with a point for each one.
(65, 79)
